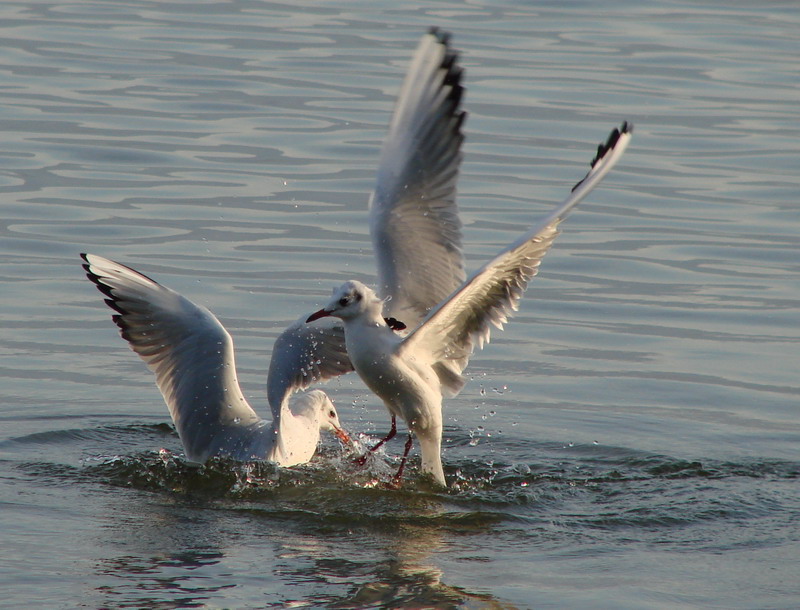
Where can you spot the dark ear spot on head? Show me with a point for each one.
(395, 324)
(356, 296)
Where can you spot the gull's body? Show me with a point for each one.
(410, 387)
(412, 373)
(192, 357)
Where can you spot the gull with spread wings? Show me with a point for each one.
(412, 373)
(192, 357)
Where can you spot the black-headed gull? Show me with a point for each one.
(192, 357)
(412, 373)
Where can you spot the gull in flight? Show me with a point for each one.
(192, 357)
(411, 373)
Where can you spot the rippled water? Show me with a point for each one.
(630, 441)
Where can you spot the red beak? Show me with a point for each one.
(343, 436)
(317, 315)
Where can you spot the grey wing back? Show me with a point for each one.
(414, 222)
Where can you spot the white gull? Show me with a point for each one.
(192, 357)
(412, 373)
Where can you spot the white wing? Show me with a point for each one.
(305, 354)
(450, 331)
(186, 347)
(414, 222)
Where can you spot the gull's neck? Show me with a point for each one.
(371, 316)
(368, 334)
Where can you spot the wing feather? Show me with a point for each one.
(305, 354)
(414, 221)
(186, 347)
(451, 330)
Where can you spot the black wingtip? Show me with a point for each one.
(112, 300)
(611, 142)
(94, 278)
(604, 147)
(461, 117)
(454, 74)
(441, 35)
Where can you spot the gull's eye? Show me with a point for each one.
(343, 301)
(331, 414)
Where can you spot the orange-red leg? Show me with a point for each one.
(399, 475)
(363, 459)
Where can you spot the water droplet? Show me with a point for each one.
(237, 420)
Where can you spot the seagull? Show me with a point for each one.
(192, 357)
(416, 234)
(412, 373)
(413, 214)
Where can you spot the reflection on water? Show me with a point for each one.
(403, 577)
(301, 528)
(200, 535)
(156, 579)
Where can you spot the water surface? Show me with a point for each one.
(630, 441)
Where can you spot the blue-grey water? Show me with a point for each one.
(629, 441)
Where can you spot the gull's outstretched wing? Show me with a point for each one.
(305, 354)
(185, 346)
(416, 232)
(450, 331)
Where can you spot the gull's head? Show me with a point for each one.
(350, 300)
(327, 415)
